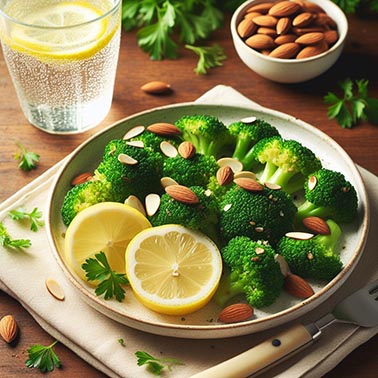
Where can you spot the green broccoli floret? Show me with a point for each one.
(254, 272)
(332, 196)
(246, 135)
(313, 258)
(202, 216)
(195, 171)
(81, 196)
(138, 179)
(286, 162)
(267, 214)
(153, 141)
(208, 134)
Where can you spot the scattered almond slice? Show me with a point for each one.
(54, 289)
(136, 143)
(81, 178)
(126, 159)
(284, 266)
(135, 131)
(272, 186)
(166, 181)
(248, 119)
(168, 149)
(299, 235)
(234, 164)
(312, 182)
(246, 174)
(152, 203)
(135, 202)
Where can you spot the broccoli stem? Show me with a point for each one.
(334, 236)
(242, 147)
(308, 209)
(268, 171)
(227, 289)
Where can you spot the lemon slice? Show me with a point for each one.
(60, 30)
(173, 270)
(107, 227)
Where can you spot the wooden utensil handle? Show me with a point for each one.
(266, 354)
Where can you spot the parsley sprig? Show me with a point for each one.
(43, 357)
(7, 241)
(98, 269)
(209, 57)
(156, 365)
(34, 216)
(355, 104)
(27, 159)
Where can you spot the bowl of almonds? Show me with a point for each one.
(289, 41)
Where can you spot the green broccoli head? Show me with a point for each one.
(195, 171)
(313, 258)
(138, 179)
(153, 141)
(81, 196)
(329, 195)
(267, 214)
(207, 133)
(286, 162)
(202, 216)
(246, 135)
(254, 272)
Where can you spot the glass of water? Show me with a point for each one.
(62, 57)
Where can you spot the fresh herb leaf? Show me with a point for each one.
(7, 241)
(209, 56)
(155, 365)
(98, 269)
(43, 357)
(27, 159)
(34, 216)
(355, 104)
(122, 342)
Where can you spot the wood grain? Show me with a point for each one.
(304, 101)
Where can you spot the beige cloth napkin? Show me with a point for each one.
(95, 338)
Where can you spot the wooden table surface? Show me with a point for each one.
(304, 101)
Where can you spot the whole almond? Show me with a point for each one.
(246, 28)
(317, 225)
(312, 50)
(309, 6)
(331, 37)
(8, 328)
(323, 19)
(186, 150)
(303, 19)
(164, 129)
(283, 25)
(248, 184)
(312, 29)
(262, 8)
(265, 20)
(284, 9)
(81, 178)
(297, 286)
(285, 51)
(310, 38)
(252, 15)
(260, 42)
(156, 87)
(237, 312)
(267, 31)
(182, 194)
(225, 175)
(286, 38)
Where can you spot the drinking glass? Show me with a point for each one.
(62, 57)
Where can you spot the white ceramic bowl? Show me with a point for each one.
(290, 70)
(202, 324)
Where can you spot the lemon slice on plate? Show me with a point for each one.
(173, 270)
(106, 227)
(61, 30)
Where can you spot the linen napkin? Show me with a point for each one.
(94, 337)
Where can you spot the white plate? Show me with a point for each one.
(203, 323)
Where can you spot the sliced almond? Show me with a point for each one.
(126, 159)
(284, 9)
(135, 131)
(237, 312)
(81, 178)
(246, 174)
(312, 182)
(135, 143)
(225, 175)
(272, 186)
(299, 235)
(166, 181)
(182, 194)
(284, 266)
(54, 289)
(164, 129)
(156, 87)
(152, 203)
(168, 149)
(297, 286)
(248, 184)
(317, 225)
(8, 328)
(135, 203)
(186, 150)
(248, 120)
(234, 164)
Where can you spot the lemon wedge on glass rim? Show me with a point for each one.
(63, 30)
(106, 227)
(173, 270)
